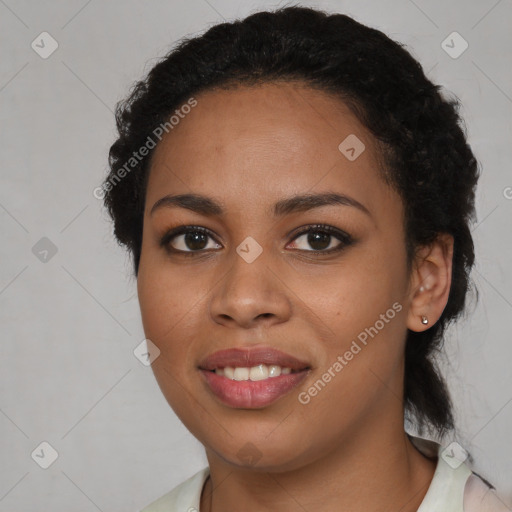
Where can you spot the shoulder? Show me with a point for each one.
(183, 498)
(480, 497)
(455, 487)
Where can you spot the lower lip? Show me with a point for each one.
(248, 394)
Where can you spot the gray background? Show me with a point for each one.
(70, 324)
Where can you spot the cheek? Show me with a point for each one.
(158, 306)
(362, 304)
(163, 303)
(353, 294)
(360, 361)
(172, 304)
(166, 307)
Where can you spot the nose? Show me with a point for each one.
(250, 294)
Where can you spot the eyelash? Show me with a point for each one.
(344, 238)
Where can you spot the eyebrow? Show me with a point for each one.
(207, 206)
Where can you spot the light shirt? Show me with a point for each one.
(454, 488)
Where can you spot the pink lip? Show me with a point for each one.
(249, 394)
(248, 357)
(252, 394)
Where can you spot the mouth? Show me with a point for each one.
(254, 373)
(251, 379)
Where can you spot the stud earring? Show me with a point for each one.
(424, 320)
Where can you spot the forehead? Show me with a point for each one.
(267, 141)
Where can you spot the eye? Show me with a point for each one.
(322, 239)
(188, 240)
(193, 240)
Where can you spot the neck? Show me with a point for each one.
(379, 472)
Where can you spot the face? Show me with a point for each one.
(322, 279)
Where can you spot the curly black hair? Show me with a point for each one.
(420, 133)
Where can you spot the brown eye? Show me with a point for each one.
(188, 239)
(322, 239)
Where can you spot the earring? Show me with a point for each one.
(424, 320)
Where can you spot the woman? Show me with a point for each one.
(296, 195)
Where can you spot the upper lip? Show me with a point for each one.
(249, 357)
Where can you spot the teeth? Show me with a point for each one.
(241, 374)
(260, 372)
(274, 371)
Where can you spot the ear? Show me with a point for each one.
(430, 283)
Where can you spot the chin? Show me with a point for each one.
(259, 454)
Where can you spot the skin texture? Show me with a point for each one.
(247, 148)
